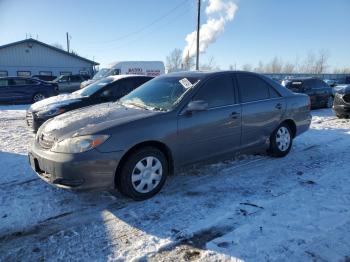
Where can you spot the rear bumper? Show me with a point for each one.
(88, 170)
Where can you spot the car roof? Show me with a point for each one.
(118, 77)
(204, 74)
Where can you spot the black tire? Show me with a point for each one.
(342, 116)
(37, 97)
(124, 180)
(275, 147)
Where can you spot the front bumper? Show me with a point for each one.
(341, 109)
(88, 170)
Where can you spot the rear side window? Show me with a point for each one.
(217, 92)
(30, 82)
(75, 79)
(252, 88)
(19, 82)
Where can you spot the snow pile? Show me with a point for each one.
(253, 208)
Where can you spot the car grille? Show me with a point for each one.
(29, 118)
(46, 141)
(346, 98)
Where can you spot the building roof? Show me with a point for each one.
(31, 40)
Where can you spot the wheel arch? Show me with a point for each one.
(152, 143)
(291, 124)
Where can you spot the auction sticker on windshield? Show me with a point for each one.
(185, 83)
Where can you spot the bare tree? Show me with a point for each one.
(247, 67)
(210, 65)
(174, 60)
(260, 68)
(275, 66)
(288, 68)
(321, 62)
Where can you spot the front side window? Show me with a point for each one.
(252, 88)
(162, 93)
(23, 73)
(217, 92)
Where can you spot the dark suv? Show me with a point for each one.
(321, 94)
(25, 90)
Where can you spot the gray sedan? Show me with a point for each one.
(171, 121)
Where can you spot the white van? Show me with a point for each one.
(147, 68)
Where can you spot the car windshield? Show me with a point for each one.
(100, 74)
(160, 93)
(58, 78)
(94, 87)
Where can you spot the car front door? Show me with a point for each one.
(262, 109)
(64, 84)
(215, 130)
(74, 83)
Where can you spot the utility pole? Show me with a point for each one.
(198, 28)
(67, 42)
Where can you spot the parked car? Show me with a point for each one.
(108, 89)
(69, 83)
(147, 68)
(341, 104)
(44, 77)
(25, 90)
(171, 121)
(320, 93)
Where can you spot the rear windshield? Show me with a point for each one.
(295, 86)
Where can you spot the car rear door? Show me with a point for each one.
(19, 90)
(262, 108)
(214, 131)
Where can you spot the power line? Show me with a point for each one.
(148, 25)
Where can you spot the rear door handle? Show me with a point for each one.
(278, 106)
(235, 115)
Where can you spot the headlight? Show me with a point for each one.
(50, 112)
(79, 144)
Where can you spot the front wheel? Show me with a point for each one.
(281, 141)
(37, 97)
(143, 174)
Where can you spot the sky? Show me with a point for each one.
(117, 30)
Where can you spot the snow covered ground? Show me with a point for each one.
(254, 208)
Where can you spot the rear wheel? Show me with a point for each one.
(281, 141)
(143, 174)
(37, 97)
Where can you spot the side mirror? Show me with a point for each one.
(106, 94)
(194, 106)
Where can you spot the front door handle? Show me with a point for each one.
(278, 106)
(235, 115)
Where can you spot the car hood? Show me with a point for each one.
(92, 120)
(56, 101)
(344, 89)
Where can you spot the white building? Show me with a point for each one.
(32, 57)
